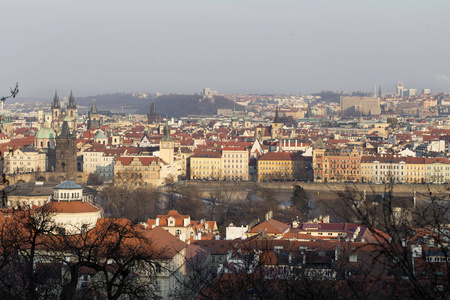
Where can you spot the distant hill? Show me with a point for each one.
(113, 102)
(184, 105)
(174, 105)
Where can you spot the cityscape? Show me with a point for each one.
(304, 179)
(232, 149)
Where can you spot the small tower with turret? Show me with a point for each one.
(234, 119)
(247, 120)
(93, 117)
(276, 126)
(166, 147)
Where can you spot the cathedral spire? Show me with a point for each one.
(94, 107)
(55, 103)
(72, 103)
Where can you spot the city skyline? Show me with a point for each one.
(234, 47)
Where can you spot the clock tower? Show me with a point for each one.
(166, 148)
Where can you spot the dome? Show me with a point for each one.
(100, 135)
(45, 133)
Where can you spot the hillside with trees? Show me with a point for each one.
(174, 105)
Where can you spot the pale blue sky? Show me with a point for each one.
(106, 46)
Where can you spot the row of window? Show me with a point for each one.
(234, 155)
(67, 195)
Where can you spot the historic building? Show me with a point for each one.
(24, 161)
(100, 159)
(167, 150)
(206, 165)
(283, 166)
(45, 137)
(66, 151)
(235, 163)
(140, 170)
(152, 116)
(334, 165)
(72, 214)
(59, 115)
(274, 131)
(93, 117)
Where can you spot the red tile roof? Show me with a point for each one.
(72, 207)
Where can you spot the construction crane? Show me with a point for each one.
(123, 107)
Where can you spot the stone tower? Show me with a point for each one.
(276, 130)
(152, 116)
(93, 117)
(66, 151)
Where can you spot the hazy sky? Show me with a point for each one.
(241, 46)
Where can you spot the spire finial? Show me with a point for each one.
(71, 103)
(55, 103)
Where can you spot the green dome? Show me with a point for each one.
(100, 135)
(46, 133)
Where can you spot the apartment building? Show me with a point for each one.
(235, 163)
(99, 159)
(140, 170)
(283, 166)
(24, 161)
(336, 165)
(206, 165)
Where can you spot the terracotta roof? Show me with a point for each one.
(271, 227)
(179, 219)
(72, 207)
(208, 154)
(165, 244)
(144, 160)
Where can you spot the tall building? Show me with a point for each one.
(152, 116)
(400, 87)
(93, 117)
(66, 151)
